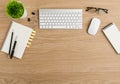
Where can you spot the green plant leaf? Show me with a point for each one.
(14, 9)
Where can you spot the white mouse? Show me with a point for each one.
(94, 25)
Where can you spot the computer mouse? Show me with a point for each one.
(94, 25)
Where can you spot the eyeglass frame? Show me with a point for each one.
(97, 9)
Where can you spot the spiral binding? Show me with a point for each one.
(31, 38)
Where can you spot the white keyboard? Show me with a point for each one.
(60, 18)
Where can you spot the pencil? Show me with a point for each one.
(13, 49)
(11, 42)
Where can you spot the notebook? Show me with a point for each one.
(24, 36)
(113, 35)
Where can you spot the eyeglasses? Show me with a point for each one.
(94, 9)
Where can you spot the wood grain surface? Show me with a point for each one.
(63, 56)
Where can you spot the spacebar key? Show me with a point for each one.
(59, 27)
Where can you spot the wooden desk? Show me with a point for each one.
(64, 56)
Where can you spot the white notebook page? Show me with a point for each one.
(113, 35)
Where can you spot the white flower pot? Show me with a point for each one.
(24, 14)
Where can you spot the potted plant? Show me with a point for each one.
(15, 9)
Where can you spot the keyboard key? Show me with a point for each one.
(59, 26)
